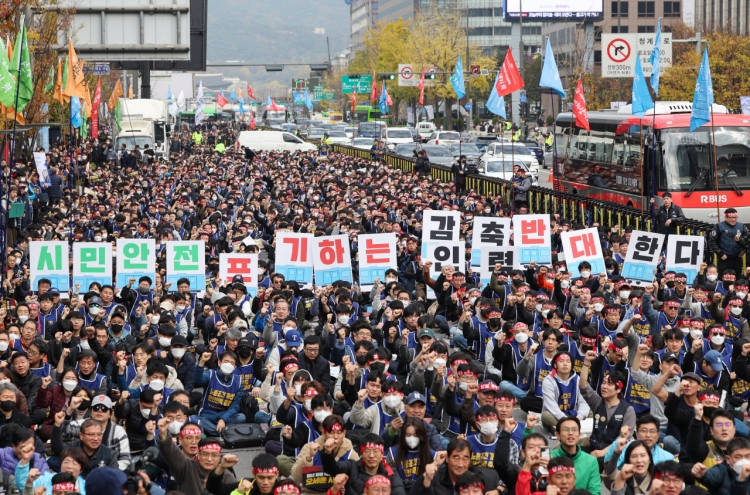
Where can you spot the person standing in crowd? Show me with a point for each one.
(728, 240)
(668, 216)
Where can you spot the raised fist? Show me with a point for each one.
(46, 381)
(361, 395)
(229, 460)
(59, 418)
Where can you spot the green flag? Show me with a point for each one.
(51, 81)
(84, 125)
(118, 115)
(7, 83)
(20, 66)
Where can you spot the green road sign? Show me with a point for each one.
(362, 84)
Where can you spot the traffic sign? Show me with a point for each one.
(523, 98)
(468, 107)
(97, 69)
(475, 70)
(407, 77)
(362, 84)
(618, 50)
(619, 57)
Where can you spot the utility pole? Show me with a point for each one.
(468, 79)
(520, 43)
(619, 31)
(329, 51)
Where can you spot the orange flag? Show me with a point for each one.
(115, 96)
(58, 95)
(130, 91)
(74, 83)
(95, 109)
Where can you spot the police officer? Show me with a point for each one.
(728, 240)
(668, 216)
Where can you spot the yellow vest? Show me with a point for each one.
(197, 138)
(220, 148)
(550, 140)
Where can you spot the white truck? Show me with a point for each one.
(144, 122)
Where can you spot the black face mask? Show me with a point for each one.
(495, 322)
(361, 360)
(144, 291)
(670, 284)
(84, 405)
(7, 405)
(244, 352)
(709, 411)
(377, 367)
(116, 329)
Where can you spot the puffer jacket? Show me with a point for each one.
(9, 461)
(358, 476)
(172, 382)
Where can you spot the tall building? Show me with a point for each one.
(363, 14)
(393, 10)
(489, 30)
(723, 14)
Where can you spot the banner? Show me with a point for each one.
(533, 239)
(136, 258)
(583, 245)
(642, 257)
(685, 254)
(488, 232)
(92, 262)
(49, 259)
(187, 259)
(377, 253)
(332, 259)
(40, 159)
(439, 227)
(244, 264)
(491, 256)
(294, 257)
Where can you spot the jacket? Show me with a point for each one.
(432, 435)
(719, 479)
(442, 484)
(188, 474)
(9, 461)
(53, 398)
(55, 188)
(662, 215)
(358, 476)
(135, 423)
(102, 456)
(721, 240)
(185, 370)
(29, 385)
(302, 462)
(171, 382)
(115, 438)
(587, 470)
(320, 369)
(422, 165)
(520, 186)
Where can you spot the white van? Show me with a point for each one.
(425, 129)
(273, 141)
(397, 135)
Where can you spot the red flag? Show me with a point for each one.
(388, 100)
(220, 100)
(252, 121)
(274, 106)
(374, 91)
(509, 79)
(579, 108)
(250, 93)
(95, 108)
(421, 89)
(354, 102)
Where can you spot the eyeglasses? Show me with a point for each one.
(100, 408)
(569, 430)
(313, 350)
(724, 425)
(32, 354)
(671, 481)
(94, 435)
(644, 431)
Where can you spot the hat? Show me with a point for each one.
(102, 400)
(713, 358)
(293, 338)
(426, 332)
(238, 278)
(96, 300)
(179, 340)
(251, 341)
(488, 386)
(671, 356)
(53, 292)
(415, 397)
(691, 376)
(106, 480)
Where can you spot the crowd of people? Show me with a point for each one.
(534, 382)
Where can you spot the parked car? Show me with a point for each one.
(483, 141)
(514, 152)
(444, 138)
(350, 131)
(363, 143)
(439, 155)
(315, 133)
(338, 137)
(465, 136)
(405, 150)
(502, 168)
(469, 150)
(397, 135)
(425, 129)
(535, 150)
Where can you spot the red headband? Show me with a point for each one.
(476, 484)
(682, 321)
(740, 287)
(523, 289)
(335, 427)
(490, 415)
(460, 361)
(730, 215)
(588, 340)
(289, 366)
(467, 373)
(612, 310)
(729, 277)
(658, 475)
(494, 314)
(67, 486)
(377, 479)
(672, 304)
(562, 468)
(488, 387)
(559, 357)
(709, 395)
(585, 288)
(210, 446)
(271, 470)
(697, 323)
(370, 445)
(736, 300)
(286, 487)
(520, 326)
(719, 330)
(613, 347)
(192, 430)
(503, 398)
(310, 392)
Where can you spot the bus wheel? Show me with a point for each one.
(630, 204)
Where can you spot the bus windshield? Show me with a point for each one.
(131, 141)
(689, 161)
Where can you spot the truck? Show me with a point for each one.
(144, 122)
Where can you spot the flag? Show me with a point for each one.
(75, 111)
(457, 79)
(550, 76)
(508, 79)
(354, 102)
(181, 103)
(172, 102)
(130, 91)
(421, 88)
(84, 123)
(232, 96)
(308, 101)
(118, 115)
(50, 80)
(268, 101)
(73, 81)
(655, 59)
(242, 105)
(220, 100)
(250, 93)
(200, 102)
(114, 98)
(384, 100)
(374, 90)
(95, 108)
(239, 93)
(703, 99)
(641, 97)
(252, 120)
(579, 107)
(57, 95)
(7, 83)
(496, 103)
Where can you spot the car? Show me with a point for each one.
(515, 152)
(483, 141)
(444, 138)
(350, 131)
(363, 143)
(465, 136)
(535, 149)
(502, 168)
(405, 150)
(397, 135)
(469, 150)
(289, 128)
(338, 137)
(276, 123)
(437, 154)
(425, 129)
(315, 133)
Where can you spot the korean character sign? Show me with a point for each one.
(439, 227)
(294, 258)
(332, 259)
(533, 239)
(583, 245)
(92, 262)
(244, 264)
(377, 253)
(49, 259)
(685, 254)
(488, 233)
(445, 254)
(490, 257)
(642, 257)
(136, 258)
(187, 259)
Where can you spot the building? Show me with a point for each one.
(363, 14)
(491, 32)
(393, 10)
(723, 14)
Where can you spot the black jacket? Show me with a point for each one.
(662, 215)
(29, 385)
(422, 165)
(442, 484)
(319, 369)
(358, 476)
(102, 457)
(135, 423)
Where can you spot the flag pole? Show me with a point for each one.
(716, 165)
(653, 137)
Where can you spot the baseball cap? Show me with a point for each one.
(691, 376)
(415, 397)
(96, 300)
(179, 340)
(293, 338)
(671, 356)
(53, 292)
(251, 341)
(106, 480)
(713, 358)
(426, 332)
(488, 386)
(102, 400)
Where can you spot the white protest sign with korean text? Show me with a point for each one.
(332, 259)
(40, 160)
(377, 253)
(642, 257)
(439, 227)
(294, 257)
(444, 254)
(533, 239)
(187, 259)
(583, 245)
(49, 259)
(243, 264)
(491, 232)
(136, 258)
(685, 254)
(490, 257)
(92, 262)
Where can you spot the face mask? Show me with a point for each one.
(175, 427)
(685, 330)
(585, 274)
(308, 404)
(736, 311)
(165, 341)
(298, 389)
(487, 210)
(564, 284)
(116, 329)
(717, 340)
(495, 322)
(522, 338)
(737, 466)
(227, 368)
(178, 352)
(712, 278)
(69, 385)
(440, 362)
(84, 405)
(361, 360)
(14, 336)
(538, 308)
(94, 310)
(179, 309)
(624, 294)
(412, 442)
(7, 405)
(472, 300)
(741, 295)
(144, 290)
(244, 352)
(709, 411)
(320, 416)
(488, 428)
(145, 413)
(390, 280)
(98, 238)
(155, 320)
(22, 318)
(610, 272)
(157, 385)
(85, 344)
(598, 307)
(4, 346)
(343, 320)
(463, 386)
(392, 401)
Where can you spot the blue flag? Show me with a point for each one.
(496, 103)
(703, 99)
(457, 79)
(641, 97)
(384, 101)
(268, 101)
(169, 93)
(550, 76)
(654, 60)
(75, 111)
(232, 96)
(308, 101)
(242, 105)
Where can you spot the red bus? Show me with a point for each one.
(616, 161)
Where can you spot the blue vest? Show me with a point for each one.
(541, 370)
(663, 321)
(139, 298)
(607, 368)
(522, 382)
(94, 384)
(708, 318)
(218, 395)
(637, 394)
(727, 232)
(366, 404)
(568, 394)
(385, 418)
(482, 454)
(734, 328)
(660, 354)
(517, 435)
(602, 329)
(578, 357)
(314, 479)
(409, 469)
(245, 374)
(43, 371)
(165, 393)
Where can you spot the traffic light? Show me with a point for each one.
(429, 75)
(392, 77)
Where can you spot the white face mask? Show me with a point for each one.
(412, 442)
(145, 413)
(14, 336)
(463, 386)
(737, 466)
(585, 274)
(488, 428)
(487, 210)
(85, 344)
(538, 308)
(227, 368)
(696, 334)
(392, 401)
(522, 338)
(165, 341)
(564, 284)
(179, 309)
(472, 300)
(624, 294)
(685, 330)
(321, 415)
(736, 311)
(712, 278)
(157, 385)
(298, 389)
(390, 280)
(308, 404)
(175, 427)
(94, 310)
(439, 362)
(598, 307)
(155, 320)
(97, 238)
(4, 346)
(343, 320)
(22, 319)
(717, 340)
(741, 295)
(610, 272)
(69, 385)
(178, 353)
